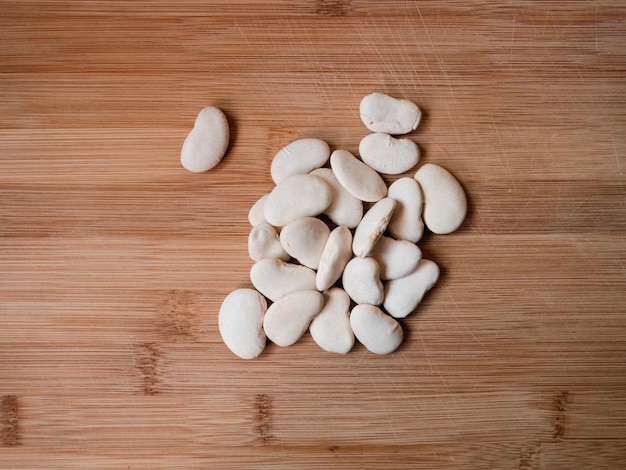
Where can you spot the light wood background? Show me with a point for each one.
(114, 260)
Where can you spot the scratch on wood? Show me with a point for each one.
(148, 365)
(262, 418)
(176, 317)
(529, 457)
(560, 407)
(9, 414)
(333, 7)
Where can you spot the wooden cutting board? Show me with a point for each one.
(114, 260)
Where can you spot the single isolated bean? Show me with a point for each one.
(206, 144)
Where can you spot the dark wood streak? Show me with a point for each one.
(176, 318)
(560, 406)
(263, 411)
(529, 457)
(333, 7)
(9, 414)
(148, 365)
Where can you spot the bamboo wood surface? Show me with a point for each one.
(114, 260)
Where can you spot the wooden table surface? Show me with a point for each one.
(114, 260)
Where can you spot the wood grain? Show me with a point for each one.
(114, 260)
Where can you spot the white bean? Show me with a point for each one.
(379, 333)
(396, 258)
(337, 252)
(263, 242)
(299, 195)
(359, 179)
(344, 209)
(445, 204)
(240, 322)
(384, 113)
(300, 156)
(255, 214)
(406, 222)
(331, 328)
(287, 319)
(403, 295)
(205, 145)
(372, 226)
(275, 278)
(305, 239)
(361, 281)
(387, 154)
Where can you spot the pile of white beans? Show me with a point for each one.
(335, 250)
